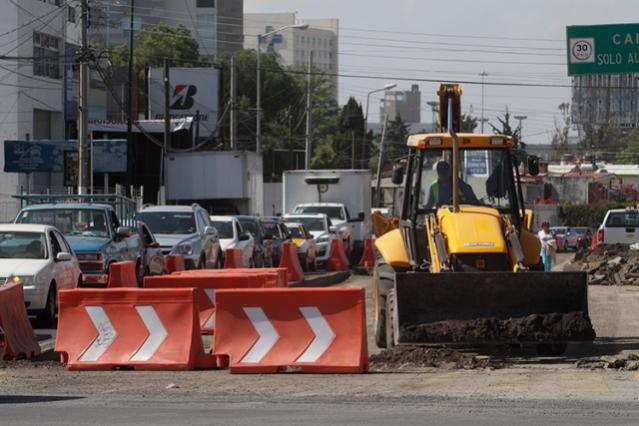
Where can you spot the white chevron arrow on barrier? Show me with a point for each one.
(210, 322)
(324, 334)
(107, 334)
(268, 336)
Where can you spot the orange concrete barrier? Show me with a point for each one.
(173, 263)
(368, 257)
(130, 329)
(122, 275)
(306, 330)
(291, 262)
(338, 260)
(205, 286)
(19, 340)
(275, 277)
(233, 259)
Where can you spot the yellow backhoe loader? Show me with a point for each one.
(464, 266)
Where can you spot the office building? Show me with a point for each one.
(403, 103)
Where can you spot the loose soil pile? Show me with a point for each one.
(627, 363)
(615, 264)
(406, 357)
(573, 326)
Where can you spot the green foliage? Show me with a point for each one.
(505, 128)
(560, 137)
(587, 215)
(469, 123)
(396, 136)
(154, 43)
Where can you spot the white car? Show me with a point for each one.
(320, 226)
(41, 259)
(619, 226)
(339, 217)
(232, 236)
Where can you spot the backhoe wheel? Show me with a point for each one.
(390, 314)
(380, 321)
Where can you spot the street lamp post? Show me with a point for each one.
(258, 129)
(368, 99)
(521, 118)
(483, 75)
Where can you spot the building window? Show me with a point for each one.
(71, 14)
(46, 54)
(205, 3)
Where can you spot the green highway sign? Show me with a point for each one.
(603, 49)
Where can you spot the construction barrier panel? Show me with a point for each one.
(122, 275)
(233, 259)
(291, 262)
(19, 340)
(338, 260)
(173, 263)
(130, 329)
(301, 330)
(205, 286)
(368, 257)
(275, 277)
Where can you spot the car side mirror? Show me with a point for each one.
(209, 230)
(154, 245)
(244, 237)
(332, 229)
(123, 232)
(398, 175)
(63, 256)
(533, 165)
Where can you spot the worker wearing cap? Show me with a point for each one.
(441, 189)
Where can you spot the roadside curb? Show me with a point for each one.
(323, 279)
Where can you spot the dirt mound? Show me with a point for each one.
(574, 326)
(615, 264)
(405, 357)
(627, 363)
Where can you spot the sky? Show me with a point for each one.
(514, 41)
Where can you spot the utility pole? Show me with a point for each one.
(258, 98)
(167, 117)
(483, 75)
(233, 104)
(380, 162)
(83, 104)
(309, 112)
(129, 120)
(353, 150)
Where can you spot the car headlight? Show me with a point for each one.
(28, 280)
(322, 240)
(184, 249)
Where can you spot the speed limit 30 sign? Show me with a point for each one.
(582, 50)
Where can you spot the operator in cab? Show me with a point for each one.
(441, 190)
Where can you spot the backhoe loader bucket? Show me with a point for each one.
(491, 307)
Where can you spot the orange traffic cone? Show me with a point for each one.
(291, 262)
(338, 260)
(173, 263)
(233, 259)
(368, 257)
(122, 274)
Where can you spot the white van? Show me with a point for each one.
(620, 226)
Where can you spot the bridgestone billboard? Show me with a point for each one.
(192, 90)
(603, 49)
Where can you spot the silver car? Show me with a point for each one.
(186, 231)
(320, 226)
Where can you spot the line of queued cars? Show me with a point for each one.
(572, 238)
(59, 246)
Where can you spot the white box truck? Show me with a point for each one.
(344, 195)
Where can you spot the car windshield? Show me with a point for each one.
(71, 222)
(485, 178)
(311, 223)
(22, 245)
(249, 225)
(270, 228)
(628, 219)
(334, 212)
(178, 223)
(224, 228)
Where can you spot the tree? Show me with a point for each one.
(559, 141)
(154, 43)
(507, 128)
(350, 130)
(396, 136)
(469, 123)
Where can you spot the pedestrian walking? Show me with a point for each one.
(547, 246)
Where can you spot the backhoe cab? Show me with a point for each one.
(464, 253)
